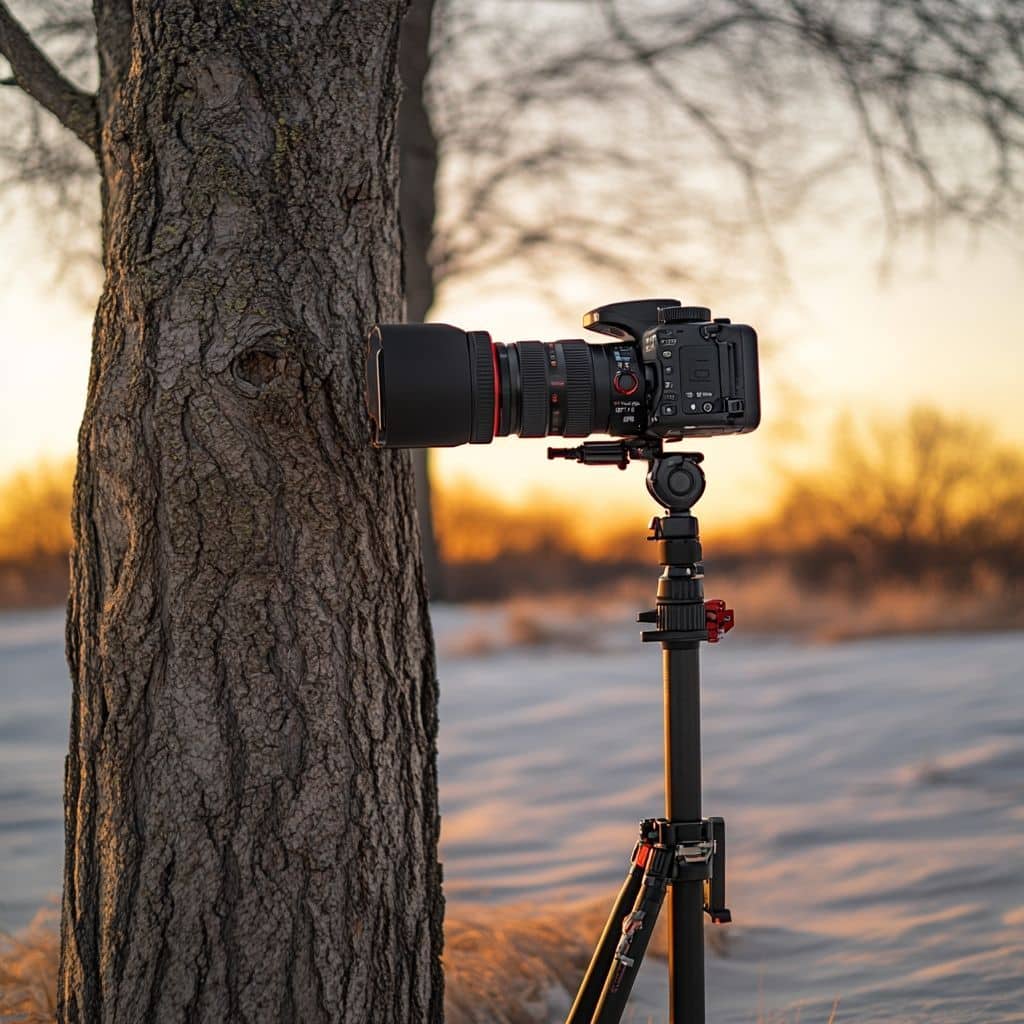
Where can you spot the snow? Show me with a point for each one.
(871, 790)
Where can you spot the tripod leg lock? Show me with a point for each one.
(631, 924)
(714, 887)
(697, 855)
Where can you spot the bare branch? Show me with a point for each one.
(37, 76)
(750, 174)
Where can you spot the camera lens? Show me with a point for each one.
(556, 388)
(432, 385)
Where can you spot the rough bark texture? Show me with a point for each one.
(251, 786)
(417, 147)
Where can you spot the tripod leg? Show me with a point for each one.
(637, 930)
(582, 1011)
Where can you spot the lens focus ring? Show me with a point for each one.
(534, 375)
(481, 363)
(579, 389)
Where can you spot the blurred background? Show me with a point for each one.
(847, 178)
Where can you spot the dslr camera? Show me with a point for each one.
(669, 372)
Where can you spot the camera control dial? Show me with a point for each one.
(684, 314)
(626, 382)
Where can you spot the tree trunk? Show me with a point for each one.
(417, 147)
(251, 792)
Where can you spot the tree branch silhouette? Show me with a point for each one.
(33, 72)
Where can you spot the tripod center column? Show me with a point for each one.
(681, 671)
(682, 620)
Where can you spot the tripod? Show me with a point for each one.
(683, 854)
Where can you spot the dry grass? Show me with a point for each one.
(512, 967)
(556, 620)
(28, 971)
(499, 969)
(782, 1017)
(509, 970)
(519, 967)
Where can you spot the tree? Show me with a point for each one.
(417, 147)
(922, 496)
(251, 802)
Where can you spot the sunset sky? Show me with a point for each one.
(237, 691)
(946, 329)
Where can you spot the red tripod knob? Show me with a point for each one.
(719, 620)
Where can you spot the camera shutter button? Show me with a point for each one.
(626, 382)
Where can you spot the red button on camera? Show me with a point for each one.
(626, 383)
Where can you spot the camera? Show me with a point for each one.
(670, 372)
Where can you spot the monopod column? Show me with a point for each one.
(680, 609)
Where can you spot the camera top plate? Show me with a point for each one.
(626, 321)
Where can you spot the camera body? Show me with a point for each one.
(678, 373)
(670, 372)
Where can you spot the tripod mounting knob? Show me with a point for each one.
(676, 481)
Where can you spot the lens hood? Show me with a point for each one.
(429, 385)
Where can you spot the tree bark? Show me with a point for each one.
(251, 792)
(417, 147)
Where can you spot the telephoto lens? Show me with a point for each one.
(669, 372)
(433, 385)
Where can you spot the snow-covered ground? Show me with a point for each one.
(874, 795)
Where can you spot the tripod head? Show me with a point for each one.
(674, 479)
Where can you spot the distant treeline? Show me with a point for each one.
(926, 498)
(35, 534)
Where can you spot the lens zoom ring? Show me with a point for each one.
(481, 366)
(579, 389)
(534, 375)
